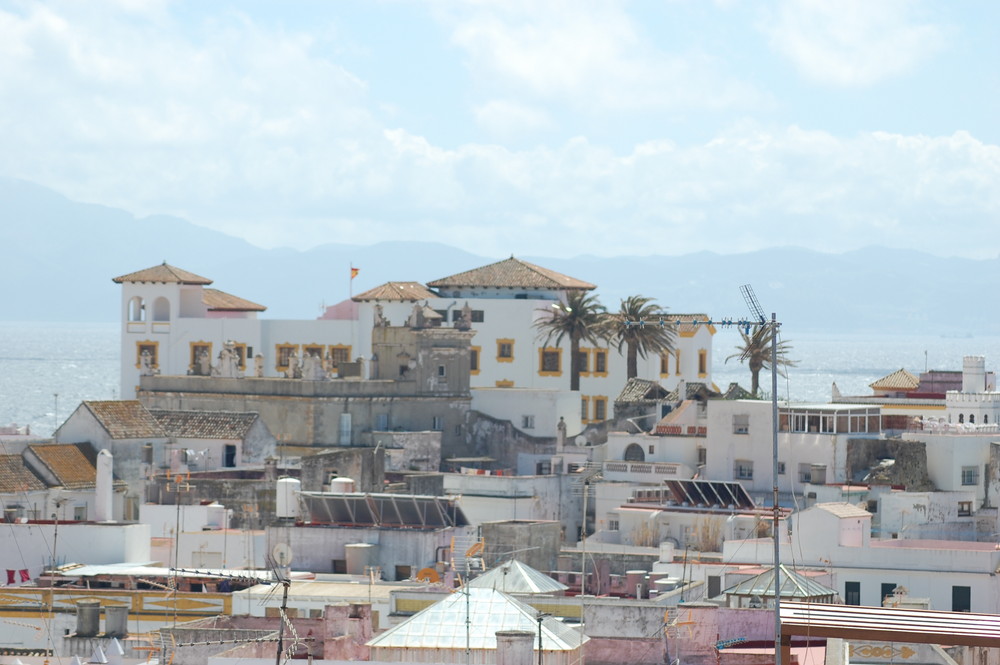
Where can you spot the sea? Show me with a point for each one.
(47, 369)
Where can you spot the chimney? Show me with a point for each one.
(105, 478)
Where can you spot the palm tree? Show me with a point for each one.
(638, 327)
(582, 319)
(756, 352)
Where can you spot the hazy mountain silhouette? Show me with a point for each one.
(59, 257)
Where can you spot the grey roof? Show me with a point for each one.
(516, 577)
(443, 624)
(641, 390)
(791, 585)
(205, 424)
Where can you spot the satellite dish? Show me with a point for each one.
(428, 575)
(581, 440)
(282, 554)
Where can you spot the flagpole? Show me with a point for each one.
(350, 282)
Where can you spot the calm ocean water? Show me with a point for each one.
(79, 361)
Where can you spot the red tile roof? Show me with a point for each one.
(125, 419)
(220, 301)
(411, 291)
(16, 477)
(163, 274)
(512, 273)
(205, 424)
(68, 464)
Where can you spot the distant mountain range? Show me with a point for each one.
(59, 257)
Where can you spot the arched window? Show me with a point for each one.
(986, 419)
(136, 309)
(972, 419)
(961, 418)
(161, 309)
(634, 453)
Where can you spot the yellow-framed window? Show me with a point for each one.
(677, 362)
(584, 409)
(600, 362)
(475, 357)
(702, 363)
(550, 361)
(665, 364)
(583, 361)
(196, 349)
(505, 350)
(282, 352)
(600, 408)
(153, 347)
(339, 353)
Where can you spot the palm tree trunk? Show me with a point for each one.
(574, 363)
(632, 361)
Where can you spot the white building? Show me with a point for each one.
(954, 575)
(173, 324)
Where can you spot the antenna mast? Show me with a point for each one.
(758, 312)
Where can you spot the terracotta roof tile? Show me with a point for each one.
(512, 273)
(16, 477)
(163, 274)
(641, 390)
(220, 301)
(204, 424)
(68, 464)
(125, 419)
(411, 291)
(898, 380)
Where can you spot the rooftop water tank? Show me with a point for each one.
(287, 501)
(359, 557)
(88, 617)
(116, 620)
(341, 485)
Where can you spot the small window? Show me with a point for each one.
(677, 362)
(612, 524)
(585, 409)
(852, 593)
(382, 422)
(437, 423)
(600, 408)
(961, 599)
(583, 362)
(664, 364)
(201, 359)
(887, 590)
(527, 422)
(601, 362)
(781, 468)
(505, 350)
(339, 354)
(549, 362)
(474, 360)
(80, 513)
(743, 469)
(284, 353)
(477, 316)
(702, 363)
(147, 355)
(652, 449)
(805, 473)
(441, 370)
(970, 475)
(964, 508)
(741, 423)
(702, 456)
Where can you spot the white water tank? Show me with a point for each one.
(287, 500)
(103, 506)
(341, 485)
(216, 517)
(359, 557)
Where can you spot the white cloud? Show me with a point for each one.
(250, 131)
(590, 55)
(505, 118)
(852, 42)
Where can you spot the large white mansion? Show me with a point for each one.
(174, 324)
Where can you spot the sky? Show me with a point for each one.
(516, 126)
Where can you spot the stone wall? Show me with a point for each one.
(909, 469)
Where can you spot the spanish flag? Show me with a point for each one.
(354, 272)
